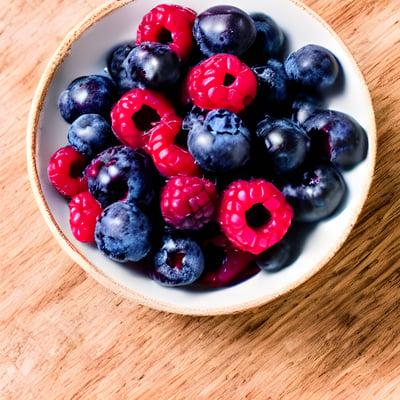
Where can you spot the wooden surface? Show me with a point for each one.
(62, 335)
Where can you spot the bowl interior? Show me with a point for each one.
(83, 52)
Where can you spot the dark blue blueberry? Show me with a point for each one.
(286, 144)
(269, 42)
(124, 232)
(337, 135)
(304, 105)
(92, 94)
(273, 89)
(287, 250)
(313, 67)
(116, 57)
(90, 134)
(149, 65)
(224, 29)
(315, 193)
(221, 143)
(179, 261)
(121, 173)
(195, 115)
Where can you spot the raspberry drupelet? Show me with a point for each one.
(254, 215)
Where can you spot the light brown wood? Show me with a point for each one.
(62, 335)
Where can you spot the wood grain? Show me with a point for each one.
(63, 336)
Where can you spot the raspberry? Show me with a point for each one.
(224, 263)
(169, 158)
(84, 211)
(169, 24)
(65, 171)
(222, 81)
(254, 215)
(188, 202)
(136, 113)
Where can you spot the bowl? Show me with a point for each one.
(83, 51)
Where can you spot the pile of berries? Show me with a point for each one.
(204, 147)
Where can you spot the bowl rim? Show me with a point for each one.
(109, 282)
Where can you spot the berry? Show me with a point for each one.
(222, 81)
(304, 105)
(286, 144)
(84, 211)
(223, 262)
(273, 88)
(92, 94)
(195, 115)
(138, 112)
(124, 232)
(337, 135)
(179, 261)
(224, 29)
(313, 67)
(269, 41)
(116, 57)
(287, 250)
(254, 215)
(221, 143)
(188, 203)
(65, 171)
(315, 192)
(90, 134)
(171, 157)
(150, 65)
(120, 173)
(169, 24)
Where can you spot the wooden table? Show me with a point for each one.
(62, 335)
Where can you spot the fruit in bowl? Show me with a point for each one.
(189, 159)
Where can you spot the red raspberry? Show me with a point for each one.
(169, 158)
(222, 81)
(188, 202)
(84, 211)
(224, 263)
(169, 24)
(136, 113)
(254, 215)
(65, 171)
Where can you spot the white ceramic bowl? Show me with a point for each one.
(83, 52)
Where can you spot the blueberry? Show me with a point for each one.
(116, 57)
(221, 143)
(304, 105)
(179, 261)
(90, 134)
(121, 173)
(224, 29)
(149, 65)
(273, 88)
(195, 115)
(313, 67)
(340, 136)
(269, 42)
(286, 144)
(92, 94)
(287, 250)
(124, 232)
(315, 193)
